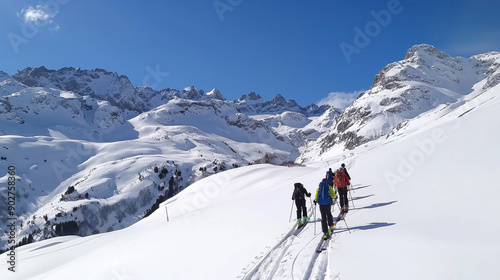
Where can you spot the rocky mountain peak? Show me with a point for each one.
(253, 96)
(85, 82)
(215, 94)
(423, 63)
(4, 76)
(192, 93)
(423, 50)
(278, 99)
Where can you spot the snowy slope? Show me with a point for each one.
(425, 208)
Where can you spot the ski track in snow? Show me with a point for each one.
(295, 256)
(268, 260)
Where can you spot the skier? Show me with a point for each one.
(325, 196)
(329, 177)
(300, 201)
(341, 180)
(345, 170)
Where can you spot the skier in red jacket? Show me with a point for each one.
(341, 180)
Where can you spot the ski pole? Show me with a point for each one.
(343, 217)
(315, 222)
(310, 201)
(346, 225)
(166, 211)
(291, 210)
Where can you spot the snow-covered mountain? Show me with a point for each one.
(71, 133)
(89, 161)
(68, 173)
(426, 80)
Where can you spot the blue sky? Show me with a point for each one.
(304, 50)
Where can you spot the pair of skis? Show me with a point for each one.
(323, 244)
(300, 228)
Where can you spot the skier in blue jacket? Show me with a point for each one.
(329, 176)
(325, 197)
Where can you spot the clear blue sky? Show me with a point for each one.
(291, 47)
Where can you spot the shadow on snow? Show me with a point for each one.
(376, 205)
(373, 225)
(356, 187)
(362, 197)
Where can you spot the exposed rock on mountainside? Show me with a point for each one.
(424, 80)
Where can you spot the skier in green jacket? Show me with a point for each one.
(325, 197)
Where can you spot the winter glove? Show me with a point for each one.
(308, 194)
(315, 202)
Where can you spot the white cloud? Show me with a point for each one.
(40, 16)
(340, 100)
(36, 15)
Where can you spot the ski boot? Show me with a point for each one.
(325, 237)
(299, 223)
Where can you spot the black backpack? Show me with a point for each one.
(299, 192)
